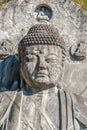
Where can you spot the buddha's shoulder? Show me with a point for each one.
(7, 100)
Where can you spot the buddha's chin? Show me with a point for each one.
(40, 83)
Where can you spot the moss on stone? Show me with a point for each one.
(82, 3)
(10, 41)
(3, 2)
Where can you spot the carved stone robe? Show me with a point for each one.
(50, 109)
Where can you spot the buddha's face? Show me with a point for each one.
(41, 65)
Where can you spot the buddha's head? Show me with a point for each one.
(41, 56)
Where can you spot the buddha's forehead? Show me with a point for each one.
(43, 49)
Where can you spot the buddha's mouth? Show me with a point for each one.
(41, 74)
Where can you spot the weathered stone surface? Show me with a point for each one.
(78, 51)
(44, 101)
(18, 15)
(3, 3)
(55, 107)
(75, 78)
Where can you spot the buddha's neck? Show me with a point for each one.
(49, 90)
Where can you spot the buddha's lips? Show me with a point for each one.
(41, 74)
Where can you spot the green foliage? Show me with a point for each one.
(82, 3)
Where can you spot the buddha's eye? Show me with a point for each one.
(51, 60)
(29, 59)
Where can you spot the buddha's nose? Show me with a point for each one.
(42, 63)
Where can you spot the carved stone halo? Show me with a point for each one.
(78, 51)
(43, 12)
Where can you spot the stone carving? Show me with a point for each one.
(40, 35)
(3, 51)
(42, 103)
(78, 51)
(44, 14)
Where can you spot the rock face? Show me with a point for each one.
(18, 15)
(42, 102)
(28, 99)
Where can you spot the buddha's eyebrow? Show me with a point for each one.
(35, 52)
(31, 52)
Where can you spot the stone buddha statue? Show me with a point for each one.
(42, 14)
(42, 103)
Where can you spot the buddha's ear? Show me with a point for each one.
(9, 73)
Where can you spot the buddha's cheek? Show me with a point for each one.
(54, 73)
(29, 68)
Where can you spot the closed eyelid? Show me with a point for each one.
(52, 55)
(52, 58)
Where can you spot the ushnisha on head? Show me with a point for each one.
(41, 56)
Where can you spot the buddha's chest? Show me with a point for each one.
(47, 110)
(40, 112)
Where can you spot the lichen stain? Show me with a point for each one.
(3, 3)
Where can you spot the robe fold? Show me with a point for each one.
(52, 109)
